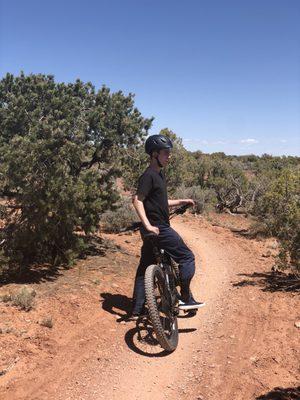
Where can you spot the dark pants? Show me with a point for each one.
(173, 244)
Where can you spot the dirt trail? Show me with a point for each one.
(240, 346)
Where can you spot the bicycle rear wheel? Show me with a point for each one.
(164, 321)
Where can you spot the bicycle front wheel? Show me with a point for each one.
(160, 307)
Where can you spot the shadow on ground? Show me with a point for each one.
(116, 304)
(142, 340)
(34, 272)
(270, 281)
(281, 394)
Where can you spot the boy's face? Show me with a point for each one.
(164, 156)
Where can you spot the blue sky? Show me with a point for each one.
(223, 75)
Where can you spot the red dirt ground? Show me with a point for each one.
(243, 345)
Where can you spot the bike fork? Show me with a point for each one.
(170, 296)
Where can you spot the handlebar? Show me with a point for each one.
(180, 210)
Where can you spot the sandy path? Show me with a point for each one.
(234, 349)
(195, 363)
(139, 376)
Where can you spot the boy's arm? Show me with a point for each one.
(180, 202)
(138, 204)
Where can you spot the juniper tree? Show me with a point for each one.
(59, 154)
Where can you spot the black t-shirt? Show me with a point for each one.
(152, 186)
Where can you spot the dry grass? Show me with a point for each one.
(23, 299)
(47, 322)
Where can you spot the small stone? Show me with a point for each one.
(297, 324)
(267, 254)
(27, 336)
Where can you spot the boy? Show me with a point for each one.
(152, 205)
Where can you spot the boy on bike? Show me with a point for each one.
(152, 205)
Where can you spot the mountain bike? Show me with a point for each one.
(161, 282)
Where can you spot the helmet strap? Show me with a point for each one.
(158, 162)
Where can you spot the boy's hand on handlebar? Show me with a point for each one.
(153, 229)
(188, 202)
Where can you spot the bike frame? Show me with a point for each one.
(164, 263)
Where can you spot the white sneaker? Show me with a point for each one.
(190, 305)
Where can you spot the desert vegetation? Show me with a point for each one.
(62, 148)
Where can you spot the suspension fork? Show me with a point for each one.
(170, 288)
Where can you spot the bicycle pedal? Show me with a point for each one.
(190, 313)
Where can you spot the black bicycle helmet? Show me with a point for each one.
(156, 143)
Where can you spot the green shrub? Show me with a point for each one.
(3, 263)
(205, 199)
(6, 298)
(134, 164)
(258, 228)
(229, 182)
(60, 153)
(23, 299)
(122, 217)
(279, 208)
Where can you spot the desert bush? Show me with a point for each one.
(279, 208)
(229, 182)
(205, 199)
(257, 229)
(6, 329)
(115, 220)
(47, 322)
(6, 298)
(23, 299)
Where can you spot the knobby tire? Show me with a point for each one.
(167, 340)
